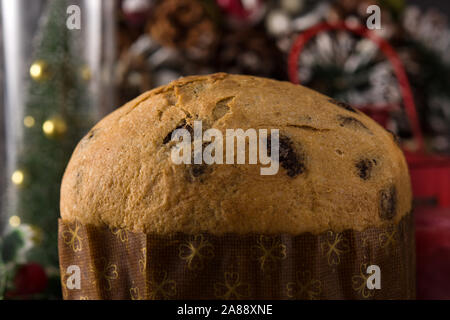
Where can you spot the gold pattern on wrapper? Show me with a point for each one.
(359, 282)
(195, 251)
(304, 287)
(161, 287)
(105, 272)
(232, 287)
(334, 246)
(122, 234)
(72, 238)
(388, 240)
(143, 261)
(120, 264)
(135, 293)
(64, 288)
(271, 250)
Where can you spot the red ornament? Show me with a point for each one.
(136, 12)
(387, 50)
(29, 279)
(250, 11)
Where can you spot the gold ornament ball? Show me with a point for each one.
(18, 177)
(28, 121)
(54, 127)
(14, 221)
(38, 70)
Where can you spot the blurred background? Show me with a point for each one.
(58, 78)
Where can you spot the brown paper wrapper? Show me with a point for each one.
(119, 264)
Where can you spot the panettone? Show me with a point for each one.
(339, 169)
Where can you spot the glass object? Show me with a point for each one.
(58, 58)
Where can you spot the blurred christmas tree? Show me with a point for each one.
(56, 117)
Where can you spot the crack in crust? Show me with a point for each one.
(307, 127)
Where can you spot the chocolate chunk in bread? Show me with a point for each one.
(291, 158)
(364, 167)
(183, 124)
(388, 202)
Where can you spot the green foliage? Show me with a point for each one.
(10, 246)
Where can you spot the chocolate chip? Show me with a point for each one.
(291, 158)
(78, 181)
(91, 134)
(388, 202)
(197, 170)
(343, 105)
(364, 167)
(88, 137)
(353, 123)
(183, 124)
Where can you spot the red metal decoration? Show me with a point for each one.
(430, 174)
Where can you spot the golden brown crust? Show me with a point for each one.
(354, 175)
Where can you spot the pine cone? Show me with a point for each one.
(184, 24)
